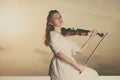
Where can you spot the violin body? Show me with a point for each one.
(81, 32)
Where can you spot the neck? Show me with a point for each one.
(57, 29)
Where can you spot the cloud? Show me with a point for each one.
(106, 65)
(41, 51)
(2, 48)
(108, 69)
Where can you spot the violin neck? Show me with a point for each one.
(70, 32)
(81, 32)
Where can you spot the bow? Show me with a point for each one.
(92, 53)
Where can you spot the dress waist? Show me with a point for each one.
(66, 55)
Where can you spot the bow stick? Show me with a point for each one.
(92, 54)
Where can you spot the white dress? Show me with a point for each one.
(59, 70)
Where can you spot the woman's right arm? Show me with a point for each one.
(69, 61)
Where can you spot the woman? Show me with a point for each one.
(63, 65)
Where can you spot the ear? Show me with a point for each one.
(50, 23)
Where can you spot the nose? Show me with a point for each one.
(60, 18)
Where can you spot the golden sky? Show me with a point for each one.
(22, 28)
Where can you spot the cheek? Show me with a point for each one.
(55, 22)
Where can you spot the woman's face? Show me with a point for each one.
(57, 20)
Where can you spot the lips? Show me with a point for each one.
(60, 22)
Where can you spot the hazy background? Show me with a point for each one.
(22, 28)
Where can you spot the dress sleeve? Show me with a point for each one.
(75, 48)
(55, 44)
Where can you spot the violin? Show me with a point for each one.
(81, 32)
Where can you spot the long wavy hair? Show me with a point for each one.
(49, 27)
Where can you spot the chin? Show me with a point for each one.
(61, 25)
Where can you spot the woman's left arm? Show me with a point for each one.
(85, 45)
